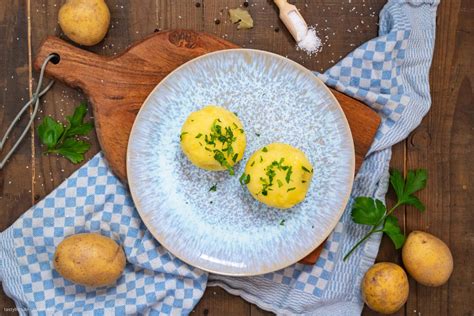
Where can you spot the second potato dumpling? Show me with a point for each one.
(213, 138)
(278, 175)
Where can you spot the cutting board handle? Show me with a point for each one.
(76, 67)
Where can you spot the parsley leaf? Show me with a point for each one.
(415, 181)
(62, 140)
(213, 188)
(76, 125)
(369, 211)
(50, 131)
(392, 229)
(72, 149)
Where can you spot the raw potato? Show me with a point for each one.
(85, 21)
(198, 140)
(89, 259)
(292, 175)
(385, 287)
(427, 259)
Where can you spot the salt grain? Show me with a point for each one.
(311, 43)
(308, 42)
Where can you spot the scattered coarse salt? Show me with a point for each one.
(311, 43)
(306, 37)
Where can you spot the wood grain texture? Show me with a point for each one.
(15, 178)
(443, 143)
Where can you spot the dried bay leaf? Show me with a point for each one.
(242, 17)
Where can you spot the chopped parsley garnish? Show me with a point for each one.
(282, 222)
(288, 174)
(213, 188)
(306, 169)
(220, 158)
(235, 113)
(303, 181)
(264, 149)
(182, 134)
(261, 159)
(291, 189)
(253, 163)
(198, 135)
(257, 134)
(270, 172)
(226, 137)
(244, 179)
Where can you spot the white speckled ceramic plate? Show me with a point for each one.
(227, 231)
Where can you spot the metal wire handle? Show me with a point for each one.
(34, 99)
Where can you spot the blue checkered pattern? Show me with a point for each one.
(389, 73)
(372, 74)
(93, 200)
(307, 278)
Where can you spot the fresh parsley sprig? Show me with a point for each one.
(369, 211)
(62, 139)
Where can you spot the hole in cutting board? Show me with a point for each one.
(56, 58)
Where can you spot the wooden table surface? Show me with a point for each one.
(443, 143)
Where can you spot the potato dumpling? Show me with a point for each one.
(213, 138)
(89, 259)
(427, 259)
(385, 287)
(278, 175)
(85, 21)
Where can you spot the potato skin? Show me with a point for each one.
(385, 287)
(85, 22)
(89, 259)
(427, 259)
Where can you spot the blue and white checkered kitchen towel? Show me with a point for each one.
(389, 73)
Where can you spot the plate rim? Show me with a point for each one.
(275, 267)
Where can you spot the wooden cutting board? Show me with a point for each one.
(117, 87)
